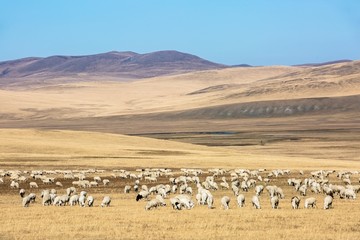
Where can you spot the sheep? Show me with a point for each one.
(295, 202)
(154, 203)
(328, 202)
(255, 202)
(175, 203)
(240, 200)
(53, 191)
(26, 201)
(59, 184)
(46, 198)
(161, 200)
(350, 194)
(225, 202)
(185, 201)
(97, 179)
(274, 202)
(90, 201)
(22, 192)
(127, 189)
(14, 184)
(82, 198)
(70, 191)
(224, 185)
(142, 194)
(302, 190)
(32, 197)
(94, 183)
(259, 189)
(74, 199)
(63, 200)
(310, 202)
(106, 202)
(106, 182)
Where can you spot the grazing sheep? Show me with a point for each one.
(70, 190)
(82, 198)
(90, 201)
(255, 202)
(106, 202)
(225, 201)
(59, 184)
(94, 184)
(97, 179)
(175, 203)
(26, 201)
(74, 199)
(274, 202)
(185, 201)
(328, 202)
(295, 202)
(22, 192)
(14, 184)
(33, 185)
(46, 198)
(259, 189)
(154, 203)
(310, 202)
(240, 200)
(32, 197)
(142, 194)
(106, 182)
(302, 190)
(127, 189)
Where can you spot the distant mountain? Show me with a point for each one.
(122, 64)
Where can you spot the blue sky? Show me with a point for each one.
(231, 32)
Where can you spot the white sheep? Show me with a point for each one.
(175, 203)
(328, 202)
(127, 189)
(225, 201)
(22, 192)
(255, 202)
(274, 202)
(295, 202)
(33, 185)
(106, 182)
(240, 200)
(90, 201)
(142, 194)
(106, 202)
(74, 199)
(310, 202)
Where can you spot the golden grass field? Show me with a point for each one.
(78, 122)
(127, 219)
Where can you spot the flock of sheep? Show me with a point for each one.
(178, 186)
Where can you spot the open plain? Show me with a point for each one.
(278, 117)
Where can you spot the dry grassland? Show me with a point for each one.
(127, 219)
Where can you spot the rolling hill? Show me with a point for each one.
(122, 65)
